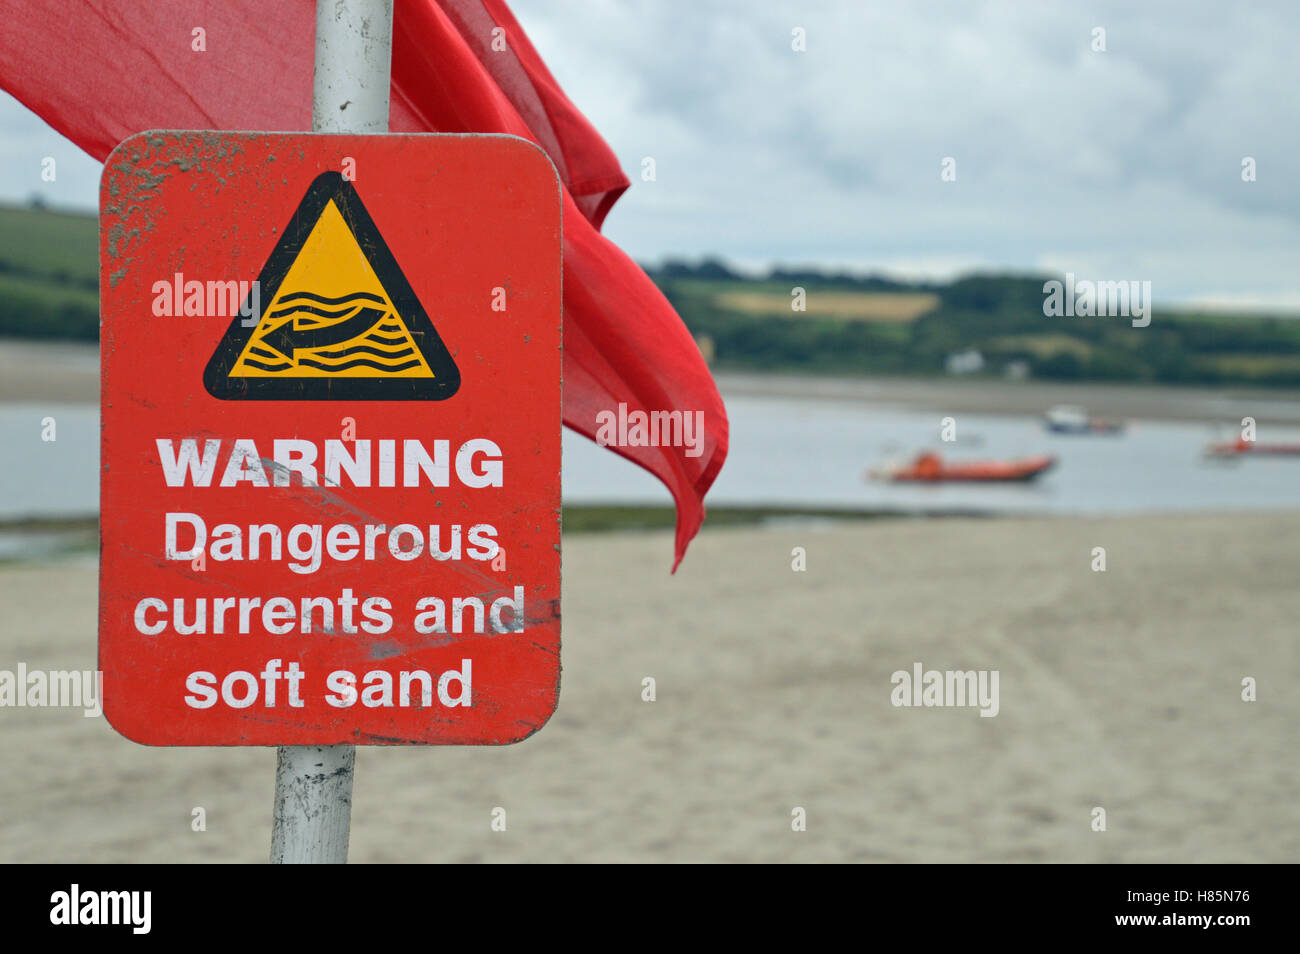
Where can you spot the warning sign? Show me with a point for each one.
(330, 440)
(342, 322)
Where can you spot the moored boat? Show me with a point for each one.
(1242, 447)
(930, 467)
(1068, 419)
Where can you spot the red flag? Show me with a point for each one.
(100, 70)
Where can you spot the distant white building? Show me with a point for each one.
(1016, 370)
(965, 362)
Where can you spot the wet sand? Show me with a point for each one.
(1119, 690)
(49, 371)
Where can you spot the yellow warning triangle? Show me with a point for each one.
(342, 321)
(331, 316)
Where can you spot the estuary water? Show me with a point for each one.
(806, 453)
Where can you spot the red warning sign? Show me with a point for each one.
(330, 439)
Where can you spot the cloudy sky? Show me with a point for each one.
(1123, 164)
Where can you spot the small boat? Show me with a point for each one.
(1239, 447)
(1069, 419)
(931, 467)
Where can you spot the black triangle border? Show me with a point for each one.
(325, 187)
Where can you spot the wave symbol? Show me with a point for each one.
(333, 335)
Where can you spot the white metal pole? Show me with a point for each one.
(354, 51)
(354, 55)
(313, 804)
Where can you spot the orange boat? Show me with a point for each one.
(1233, 448)
(932, 467)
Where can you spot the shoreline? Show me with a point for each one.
(64, 372)
(68, 372)
(1157, 402)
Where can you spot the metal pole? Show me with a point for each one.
(354, 50)
(313, 804)
(354, 53)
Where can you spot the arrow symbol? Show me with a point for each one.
(290, 337)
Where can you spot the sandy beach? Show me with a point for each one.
(1119, 690)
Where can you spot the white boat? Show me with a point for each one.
(1071, 419)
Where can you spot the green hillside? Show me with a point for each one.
(57, 244)
(49, 274)
(1000, 316)
(849, 324)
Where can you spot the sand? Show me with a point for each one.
(1119, 689)
(63, 371)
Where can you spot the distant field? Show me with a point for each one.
(846, 305)
(1041, 346)
(49, 274)
(1256, 364)
(52, 244)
